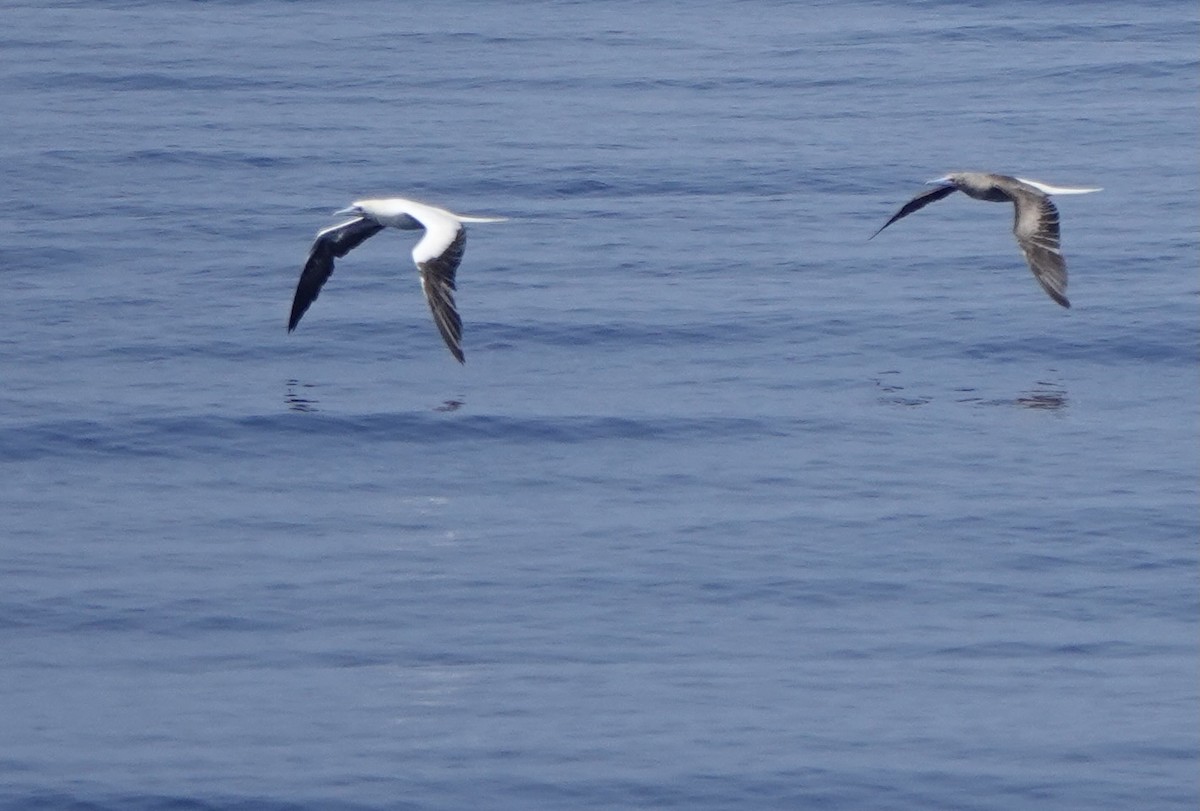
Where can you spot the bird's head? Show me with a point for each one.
(945, 180)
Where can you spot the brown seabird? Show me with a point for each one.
(437, 255)
(1035, 223)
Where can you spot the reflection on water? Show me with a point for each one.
(890, 389)
(1045, 395)
(294, 401)
(299, 397)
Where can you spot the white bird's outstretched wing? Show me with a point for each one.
(438, 256)
(333, 242)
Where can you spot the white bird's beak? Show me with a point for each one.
(939, 181)
(345, 211)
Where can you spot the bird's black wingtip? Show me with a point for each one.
(882, 227)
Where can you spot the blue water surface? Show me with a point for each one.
(729, 507)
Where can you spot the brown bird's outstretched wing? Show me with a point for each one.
(1035, 224)
(920, 201)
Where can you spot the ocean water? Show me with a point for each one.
(729, 507)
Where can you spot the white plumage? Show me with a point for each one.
(437, 256)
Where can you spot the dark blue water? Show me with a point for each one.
(729, 507)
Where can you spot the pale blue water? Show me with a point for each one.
(729, 507)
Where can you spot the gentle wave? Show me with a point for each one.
(187, 436)
(98, 801)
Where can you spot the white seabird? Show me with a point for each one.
(1035, 222)
(437, 255)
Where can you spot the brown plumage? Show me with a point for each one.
(1035, 219)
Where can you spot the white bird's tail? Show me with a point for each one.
(461, 218)
(1047, 189)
